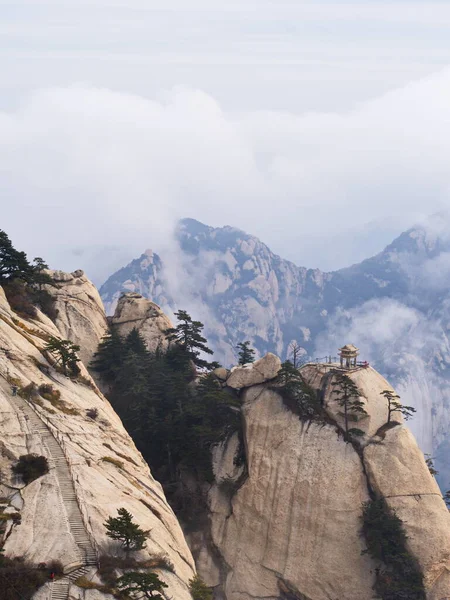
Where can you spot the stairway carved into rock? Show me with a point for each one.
(58, 460)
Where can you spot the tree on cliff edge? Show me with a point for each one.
(246, 354)
(348, 396)
(394, 405)
(122, 529)
(188, 336)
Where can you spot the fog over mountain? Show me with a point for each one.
(394, 307)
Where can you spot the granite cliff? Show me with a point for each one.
(288, 523)
(395, 306)
(95, 468)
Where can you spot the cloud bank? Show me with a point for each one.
(90, 177)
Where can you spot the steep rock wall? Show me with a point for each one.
(94, 468)
(133, 311)
(293, 529)
(80, 316)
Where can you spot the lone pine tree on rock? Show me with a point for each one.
(246, 354)
(188, 335)
(348, 397)
(394, 405)
(65, 353)
(122, 529)
(141, 585)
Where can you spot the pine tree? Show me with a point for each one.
(394, 405)
(246, 354)
(348, 396)
(135, 342)
(107, 361)
(297, 395)
(188, 335)
(141, 585)
(122, 529)
(13, 264)
(66, 354)
(199, 590)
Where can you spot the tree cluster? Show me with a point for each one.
(399, 576)
(23, 281)
(297, 395)
(174, 414)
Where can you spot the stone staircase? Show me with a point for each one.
(60, 587)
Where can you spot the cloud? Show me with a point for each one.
(108, 173)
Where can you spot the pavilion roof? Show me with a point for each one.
(349, 348)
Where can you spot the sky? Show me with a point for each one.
(321, 127)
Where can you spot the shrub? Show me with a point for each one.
(30, 467)
(29, 392)
(199, 590)
(19, 298)
(19, 579)
(47, 391)
(92, 413)
(401, 577)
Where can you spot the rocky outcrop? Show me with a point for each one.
(264, 369)
(397, 471)
(292, 527)
(396, 304)
(80, 316)
(94, 466)
(133, 311)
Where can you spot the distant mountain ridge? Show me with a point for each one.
(395, 306)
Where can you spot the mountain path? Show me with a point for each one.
(59, 463)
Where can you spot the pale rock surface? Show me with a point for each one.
(100, 487)
(133, 311)
(295, 522)
(368, 381)
(397, 470)
(80, 314)
(264, 369)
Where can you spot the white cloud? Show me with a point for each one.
(82, 166)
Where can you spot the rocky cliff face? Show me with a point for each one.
(292, 529)
(133, 311)
(94, 466)
(80, 315)
(394, 306)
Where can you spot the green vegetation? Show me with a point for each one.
(173, 413)
(394, 405)
(348, 396)
(199, 590)
(189, 339)
(65, 353)
(141, 585)
(297, 395)
(23, 281)
(123, 530)
(400, 577)
(30, 467)
(246, 354)
(19, 580)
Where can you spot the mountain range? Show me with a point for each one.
(395, 306)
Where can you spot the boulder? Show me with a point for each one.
(80, 316)
(221, 373)
(133, 311)
(262, 370)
